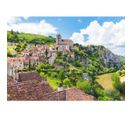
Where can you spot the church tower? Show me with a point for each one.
(58, 39)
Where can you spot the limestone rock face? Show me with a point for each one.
(110, 59)
(104, 55)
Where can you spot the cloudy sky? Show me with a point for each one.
(106, 31)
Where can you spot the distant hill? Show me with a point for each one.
(17, 37)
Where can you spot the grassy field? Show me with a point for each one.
(53, 82)
(105, 81)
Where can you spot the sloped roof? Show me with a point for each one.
(72, 94)
(37, 88)
(32, 89)
(76, 95)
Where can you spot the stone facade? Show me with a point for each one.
(19, 63)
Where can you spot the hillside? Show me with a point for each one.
(98, 58)
(17, 37)
(91, 61)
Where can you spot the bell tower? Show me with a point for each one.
(58, 38)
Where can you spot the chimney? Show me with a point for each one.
(60, 88)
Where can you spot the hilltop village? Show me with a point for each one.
(37, 55)
(20, 74)
(47, 68)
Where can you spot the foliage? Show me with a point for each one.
(116, 81)
(118, 85)
(83, 85)
(67, 82)
(43, 67)
(21, 46)
(61, 75)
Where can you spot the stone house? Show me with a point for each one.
(14, 65)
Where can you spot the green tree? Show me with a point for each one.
(116, 81)
(61, 76)
(110, 95)
(113, 94)
(83, 85)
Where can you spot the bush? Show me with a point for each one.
(113, 94)
(54, 75)
(110, 95)
(104, 98)
(42, 74)
(21, 46)
(83, 85)
(77, 63)
(39, 67)
(9, 54)
(116, 81)
(66, 82)
(61, 75)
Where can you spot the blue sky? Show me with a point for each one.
(67, 25)
(106, 31)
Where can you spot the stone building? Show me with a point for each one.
(64, 43)
(14, 65)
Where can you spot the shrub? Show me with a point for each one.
(83, 85)
(42, 74)
(61, 75)
(113, 94)
(67, 82)
(116, 82)
(54, 75)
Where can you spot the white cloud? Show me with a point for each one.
(110, 34)
(41, 27)
(78, 38)
(26, 17)
(13, 20)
